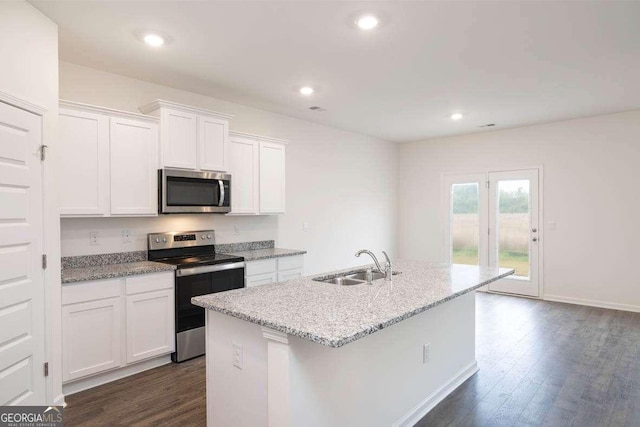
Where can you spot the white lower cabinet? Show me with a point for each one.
(272, 270)
(91, 337)
(149, 325)
(108, 324)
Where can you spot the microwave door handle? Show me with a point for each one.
(221, 184)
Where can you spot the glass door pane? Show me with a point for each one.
(465, 223)
(514, 225)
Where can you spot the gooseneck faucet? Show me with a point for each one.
(387, 270)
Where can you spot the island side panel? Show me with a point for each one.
(235, 397)
(381, 379)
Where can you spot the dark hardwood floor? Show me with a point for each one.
(541, 363)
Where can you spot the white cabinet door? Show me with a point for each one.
(244, 169)
(272, 178)
(213, 144)
(83, 179)
(150, 324)
(134, 179)
(90, 337)
(179, 139)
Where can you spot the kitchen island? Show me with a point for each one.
(309, 353)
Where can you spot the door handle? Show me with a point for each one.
(533, 230)
(535, 239)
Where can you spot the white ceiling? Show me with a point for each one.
(510, 63)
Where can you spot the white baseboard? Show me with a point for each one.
(437, 396)
(593, 303)
(116, 374)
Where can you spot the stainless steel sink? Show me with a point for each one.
(356, 278)
(363, 276)
(344, 281)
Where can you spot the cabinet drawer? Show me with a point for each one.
(290, 262)
(261, 279)
(289, 274)
(262, 266)
(90, 291)
(149, 282)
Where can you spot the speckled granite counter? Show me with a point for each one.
(106, 266)
(254, 255)
(335, 315)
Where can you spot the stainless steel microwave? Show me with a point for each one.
(181, 191)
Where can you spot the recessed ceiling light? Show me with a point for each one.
(456, 116)
(153, 40)
(367, 22)
(306, 90)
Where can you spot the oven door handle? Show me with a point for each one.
(182, 272)
(221, 185)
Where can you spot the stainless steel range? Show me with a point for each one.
(200, 271)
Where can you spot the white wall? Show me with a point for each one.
(29, 71)
(591, 191)
(341, 183)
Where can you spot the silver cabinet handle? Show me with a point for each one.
(221, 184)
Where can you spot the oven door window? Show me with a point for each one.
(192, 192)
(189, 316)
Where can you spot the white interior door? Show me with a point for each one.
(514, 230)
(21, 277)
(492, 219)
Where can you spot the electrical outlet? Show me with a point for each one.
(305, 226)
(236, 230)
(126, 236)
(237, 355)
(93, 238)
(426, 353)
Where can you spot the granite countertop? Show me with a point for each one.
(97, 272)
(335, 315)
(256, 254)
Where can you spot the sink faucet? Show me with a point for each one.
(387, 270)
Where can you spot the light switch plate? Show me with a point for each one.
(551, 226)
(236, 230)
(305, 226)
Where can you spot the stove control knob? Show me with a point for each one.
(164, 239)
(202, 237)
(208, 236)
(157, 240)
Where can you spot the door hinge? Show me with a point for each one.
(487, 184)
(43, 152)
(46, 369)
(488, 231)
(44, 261)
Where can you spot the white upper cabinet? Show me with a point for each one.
(257, 167)
(213, 144)
(108, 162)
(244, 157)
(134, 160)
(272, 178)
(178, 139)
(83, 179)
(191, 138)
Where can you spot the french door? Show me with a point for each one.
(492, 219)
